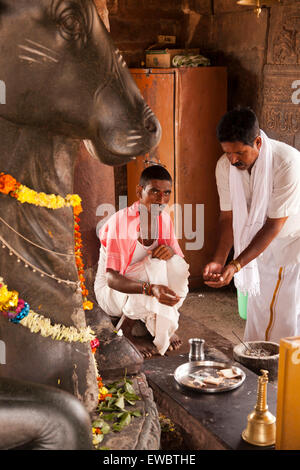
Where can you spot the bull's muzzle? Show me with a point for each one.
(121, 136)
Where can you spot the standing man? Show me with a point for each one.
(258, 182)
(141, 272)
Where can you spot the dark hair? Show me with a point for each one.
(238, 125)
(154, 172)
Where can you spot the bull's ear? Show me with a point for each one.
(3, 6)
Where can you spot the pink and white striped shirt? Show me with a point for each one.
(120, 233)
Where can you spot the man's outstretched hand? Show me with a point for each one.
(215, 275)
(164, 295)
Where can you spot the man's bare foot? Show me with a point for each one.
(144, 343)
(175, 343)
(146, 347)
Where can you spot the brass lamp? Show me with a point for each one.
(258, 4)
(261, 424)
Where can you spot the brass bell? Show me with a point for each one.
(261, 426)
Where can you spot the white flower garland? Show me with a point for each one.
(39, 324)
(36, 323)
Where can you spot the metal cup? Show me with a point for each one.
(196, 349)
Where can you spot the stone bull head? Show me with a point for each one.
(65, 82)
(62, 72)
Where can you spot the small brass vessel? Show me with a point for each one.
(261, 426)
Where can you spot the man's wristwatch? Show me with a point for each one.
(236, 264)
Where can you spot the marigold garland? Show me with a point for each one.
(9, 185)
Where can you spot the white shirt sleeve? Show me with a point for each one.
(285, 198)
(222, 178)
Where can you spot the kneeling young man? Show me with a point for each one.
(141, 272)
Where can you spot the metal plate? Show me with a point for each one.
(186, 375)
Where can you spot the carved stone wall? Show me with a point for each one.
(281, 108)
(280, 116)
(262, 55)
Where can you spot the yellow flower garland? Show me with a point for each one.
(8, 299)
(24, 194)
(9, 185)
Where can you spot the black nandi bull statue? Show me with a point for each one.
(65, 82)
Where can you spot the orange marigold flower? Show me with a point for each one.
(102, 397)
(87, 305)
(77, 209)
(97, 431)
(100, 382)
(7, 183)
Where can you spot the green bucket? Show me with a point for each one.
(242, 304)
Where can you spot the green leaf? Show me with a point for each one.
(110, 416)
(136, 413)
(113, 384)
(101, 424)
(125, 420)
(131, 396)
(129, 388)
(98, 423)
(120, 403)
(100, 438)
(110, 401)
(117, 427)
(105, 428)
(107, 408)
(130, 402)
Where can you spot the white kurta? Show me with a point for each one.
(275, 313)
(160, 320)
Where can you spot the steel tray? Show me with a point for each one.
(184, 376)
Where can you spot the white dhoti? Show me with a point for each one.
(160, 320)
(275, 312)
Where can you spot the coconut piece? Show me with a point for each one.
(199, 382)
(229, 373)
(213, 380)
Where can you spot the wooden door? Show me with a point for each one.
(157, 88)
(201, 100)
